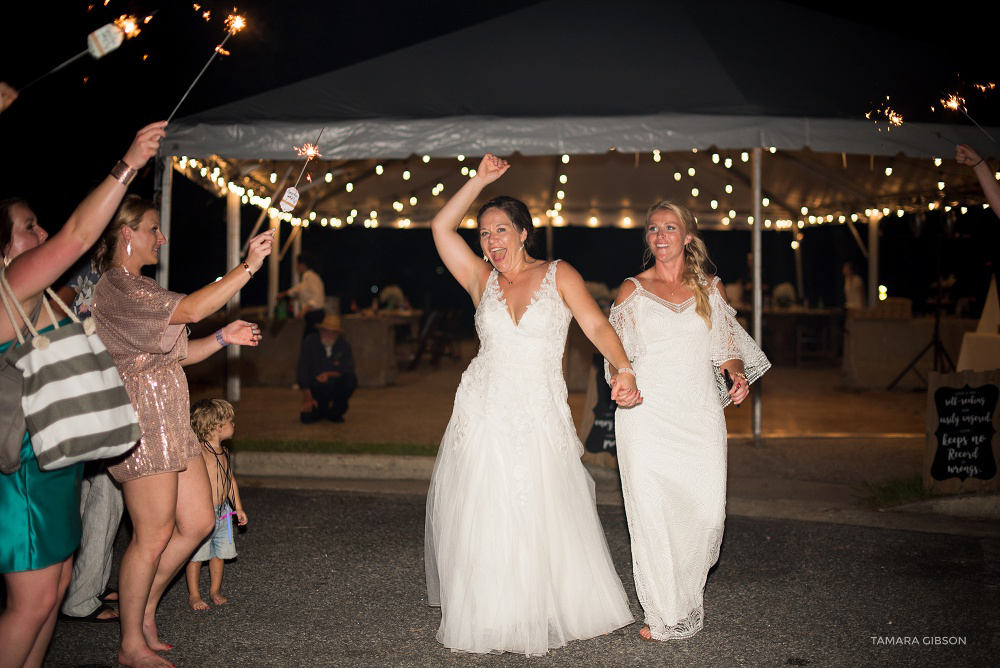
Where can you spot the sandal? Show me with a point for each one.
(106, 595)
(93, 617)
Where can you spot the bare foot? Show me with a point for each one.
(144, 658)
(153, 641)
(646, 634)
(217, 598)
(198, 603)
(108, 613)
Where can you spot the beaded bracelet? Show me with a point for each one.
(218, 337)
(627, 370)
(247, 267)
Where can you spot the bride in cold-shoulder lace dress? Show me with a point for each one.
(515, 554)
(680, 335)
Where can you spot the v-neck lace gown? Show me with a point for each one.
(672, 448)
(514, 551)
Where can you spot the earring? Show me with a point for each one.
(128, 248)
(485, 258)
(6, 260)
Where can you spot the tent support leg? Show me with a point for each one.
(166, 195)
(233, 306)
(758, 300)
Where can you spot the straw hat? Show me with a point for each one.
(330, 322)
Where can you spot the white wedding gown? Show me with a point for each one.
(672, 449)
(514, 551)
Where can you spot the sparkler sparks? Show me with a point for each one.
(956, 103)
(309, 150)
(892, 117)
(234, 24)
(985, 87)
(129, 25)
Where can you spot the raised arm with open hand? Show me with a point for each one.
(466, 266)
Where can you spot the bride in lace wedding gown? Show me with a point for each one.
(680, 334)
(515, 554)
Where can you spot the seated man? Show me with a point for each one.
(326, 373)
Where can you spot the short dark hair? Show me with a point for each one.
(518, 213)
(308, 259)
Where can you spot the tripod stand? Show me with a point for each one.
(941, 356)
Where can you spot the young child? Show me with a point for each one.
(212, 421)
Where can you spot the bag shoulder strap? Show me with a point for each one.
(7, 294)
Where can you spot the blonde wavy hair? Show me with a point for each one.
(698, 267)
(207, 415)
(130, 212)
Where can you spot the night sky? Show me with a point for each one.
(65, 132)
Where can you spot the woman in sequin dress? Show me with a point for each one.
(515, 554)
(166, 487)
(36, 549)
(680, 335)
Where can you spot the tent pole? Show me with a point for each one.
(233, 307)
(873, 261)
(296, 277)
(548, 241)
(273, 261)
(758, 300)
(799, 279)
(166, 194)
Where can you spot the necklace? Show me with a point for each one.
(510, 281)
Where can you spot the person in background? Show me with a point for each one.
(213, 423)
(326, 373)
(309, 292)
(89, 599)
(7, 95)
(36, 550)
(854, 288)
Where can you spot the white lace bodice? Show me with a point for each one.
(726, 340)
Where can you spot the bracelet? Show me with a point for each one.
(978, 163)
(627, 370)
(123, 173)
(218, 337)
(247, 267)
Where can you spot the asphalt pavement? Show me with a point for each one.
(332, 578)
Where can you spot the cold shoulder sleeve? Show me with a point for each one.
(624, 319)
(730, 341)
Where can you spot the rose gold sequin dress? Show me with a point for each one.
(132, 314)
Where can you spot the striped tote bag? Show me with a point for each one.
(75, 406)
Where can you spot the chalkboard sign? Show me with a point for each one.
(601, 437)
(965, 432)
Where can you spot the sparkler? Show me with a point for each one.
(102, 41)
(956, 103)
(291, 196)
(895, 120)
(234, 24)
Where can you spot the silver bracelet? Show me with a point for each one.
(627, 370)
(218, 337)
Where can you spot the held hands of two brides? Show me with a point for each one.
(624, 391)
(260, 248)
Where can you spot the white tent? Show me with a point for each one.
(627, 90)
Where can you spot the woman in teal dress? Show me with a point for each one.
(40, 509)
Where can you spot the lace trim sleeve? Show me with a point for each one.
(730, 341)
(624, 319)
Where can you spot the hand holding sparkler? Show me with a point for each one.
(966, 155)
(7, 95)
(145, 145)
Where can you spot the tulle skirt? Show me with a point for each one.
(514, 550)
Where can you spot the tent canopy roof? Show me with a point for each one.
(608, 85)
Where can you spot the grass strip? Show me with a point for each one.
(333, 447)
(896, 491)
